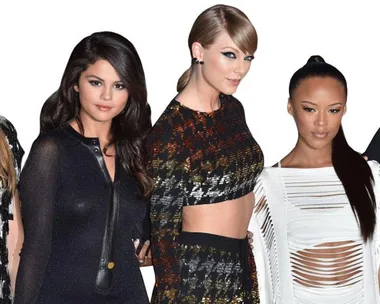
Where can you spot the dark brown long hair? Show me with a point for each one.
(349, 165)
(130, 128)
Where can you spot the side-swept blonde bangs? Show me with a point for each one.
(211, 23)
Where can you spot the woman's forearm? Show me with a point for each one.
(14, 241)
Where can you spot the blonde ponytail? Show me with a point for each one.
(184, 79)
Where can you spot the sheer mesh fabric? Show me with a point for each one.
(38, 184)
(65, 199)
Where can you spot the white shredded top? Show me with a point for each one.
(307, 242)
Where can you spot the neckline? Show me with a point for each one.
(222, 102)
(91, 142)
(81, 137)
(279, 166)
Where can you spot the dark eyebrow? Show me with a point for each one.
(314, 104)
(94, 76)
(335, 104)
(100, 79)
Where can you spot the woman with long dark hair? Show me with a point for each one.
(205, 162)
(315, 219)
(11, 232)
(84, 185)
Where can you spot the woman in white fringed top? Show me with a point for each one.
(316, 240)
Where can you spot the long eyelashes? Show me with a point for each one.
(335, 111)
(309, 110)
(119, 86)
(229, 54)
(232, 55)
(249, 58)
(96, 83)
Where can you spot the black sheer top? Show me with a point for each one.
(67, 200)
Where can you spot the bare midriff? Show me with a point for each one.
(327, 264)
(228, 218)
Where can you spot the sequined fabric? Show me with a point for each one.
(6, 208)
(213, 270)
(195, 158)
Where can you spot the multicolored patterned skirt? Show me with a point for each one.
(216, 269)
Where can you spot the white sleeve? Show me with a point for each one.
(259, 248)
(11, 209)
(375, 168)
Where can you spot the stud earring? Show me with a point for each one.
(197, 61)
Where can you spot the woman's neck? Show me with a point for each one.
(91, 128)
(303, 156)
(199, 95)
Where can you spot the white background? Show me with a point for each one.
(37, 38)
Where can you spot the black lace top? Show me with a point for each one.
(196, 158)
(6, 207)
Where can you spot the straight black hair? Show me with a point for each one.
(352, 170)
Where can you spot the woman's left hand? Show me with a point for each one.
(145, 255)
(250, 239)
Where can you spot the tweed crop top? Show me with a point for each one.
(212, 157)
(196, 158)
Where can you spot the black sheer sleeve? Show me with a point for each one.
(38, 183)
(373, 150)
(146, 226)
(142, 229)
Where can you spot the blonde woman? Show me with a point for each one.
(11, 232)
(205, 162)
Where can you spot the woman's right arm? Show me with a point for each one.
(38, 184)
(15, 240)
(373, 150)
